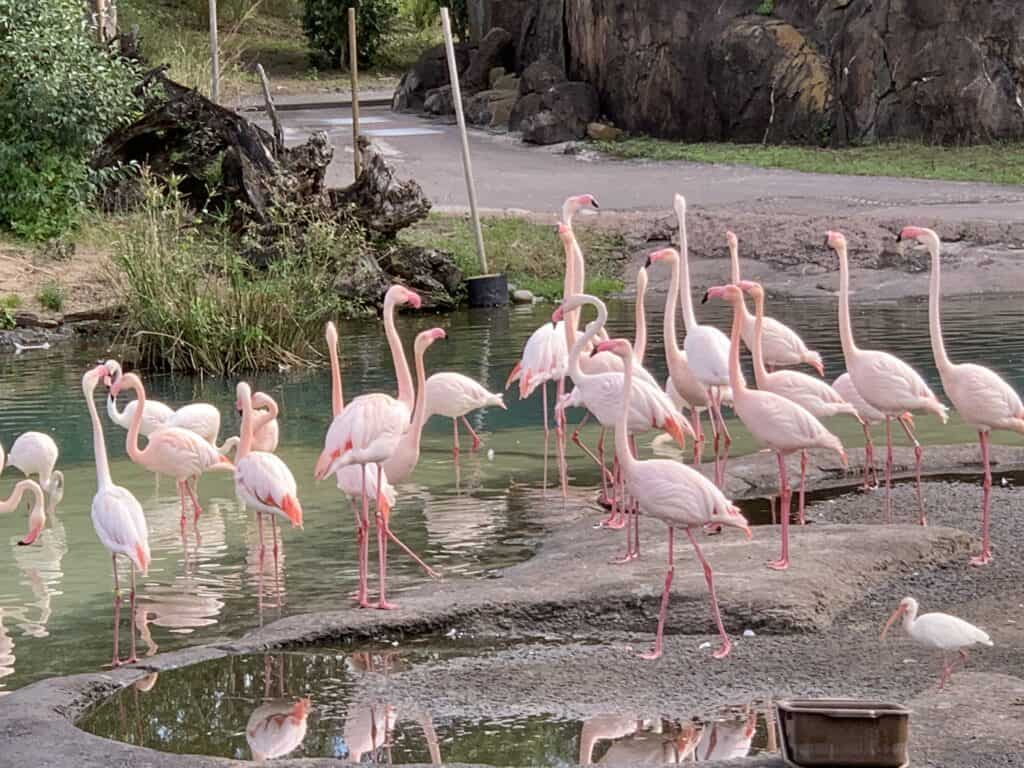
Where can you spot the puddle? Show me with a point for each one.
(331, 703)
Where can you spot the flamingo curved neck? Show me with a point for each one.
(640, 343)
(845, 328)
(736, 382)
(592, 329)
(689, 318)
(11, 503)
(406, 396)
(116, 416)
(942, 361)
(673, 353)
(245, 433)
(99, 445)
(571, 319)
(132, 445)
(420, 416)
(337, 398)
(760, 372)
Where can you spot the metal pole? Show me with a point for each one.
(467, 166)
(353, 68)
(214, 55)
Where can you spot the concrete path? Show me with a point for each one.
(512, 175)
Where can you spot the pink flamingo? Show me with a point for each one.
(172, 451)
(265, 431)
(37, 515)
(263, 483)
(820, 400)
(370, 430)
(453, 395)
(675, 494)
(276, 728)
(782, 346)
(116, 513)
(774, 421)
(868, 416)
(979, 394)
(707, 352)
(884, 381)
(35, 453)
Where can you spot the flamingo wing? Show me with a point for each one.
(34, 453)
(674, 492)
(201, 418)
(780, 344)
(707, 354)
(982, 397)
(815, 395)
(890, 385)
(452, 394)
(267, 480)
(120, 524)
(844, 386)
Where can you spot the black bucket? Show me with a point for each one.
(487, 290)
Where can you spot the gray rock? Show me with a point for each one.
(603, 132)
(540, 76)
(430, 272)
(561, 113)
(522, 296)
(490, 108)
(507, 82)
(428, 73)
(495, 75)
(439, 101)
(496, 50)
(527, 105)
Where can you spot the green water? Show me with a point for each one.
(208, 709)
(55, 597)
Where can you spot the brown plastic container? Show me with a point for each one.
(843, 732)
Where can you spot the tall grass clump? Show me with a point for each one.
(194, 302)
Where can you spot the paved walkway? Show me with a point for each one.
(512, 175)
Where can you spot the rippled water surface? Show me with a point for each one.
(55, 597)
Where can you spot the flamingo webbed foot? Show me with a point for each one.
(983, 559)
(651, 655)
(384, 605)
(724, 650)
(779, 565)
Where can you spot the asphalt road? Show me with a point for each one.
(512, 175)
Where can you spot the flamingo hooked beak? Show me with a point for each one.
(892, 620)
(908, 233)
(32, 535)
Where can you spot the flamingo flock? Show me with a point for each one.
(373, 442)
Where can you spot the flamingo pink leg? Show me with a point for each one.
(195, 502)
(382, 545)
(600, 460)
(986, 552)
(918, 455)
(635, 507)
(784, 496)
(133, 657)
(259, 526)
(803, 486)
(364, 548)
(181, 498)
(622, 560)
(888, 469)
(476, 437)
(277, 565)
(655, 652)
(563, 466)
(426, 568)
(455, 438)
(616, 519)
(698, 443)
(547, 431)
(721, 455)
(869, 458)
(116, 660)
(726, 646)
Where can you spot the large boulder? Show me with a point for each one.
(561, 113)
(496, 49)
(540, 76)
(490, 108)
(430, 272)
(439, 101)
(428, 73)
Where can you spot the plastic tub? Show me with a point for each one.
(843, 732)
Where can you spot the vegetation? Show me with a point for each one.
(8, 304)
(425, 13)
(997, 163)
(766, 8)
(60, 94)
(51, 296)
(326, 25)
(529, 253)
(194, 302)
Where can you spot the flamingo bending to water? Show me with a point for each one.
(35, 453)
(172, 451)
(37, 515)
(673, 493)
(775, 422)
(884, 381)
(979, 394)
(116, 513)
(815, 395)
(940, 631)
(780, 344)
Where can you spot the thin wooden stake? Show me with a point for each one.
(467, 166)
(101, 14)
(214, 55)
(272, 111)
(353, 68)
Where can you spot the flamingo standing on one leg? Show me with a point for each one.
(37, 514)
(116, 513)
(172, 451)
(263, 483)
(780, 344)
(774, 421)
(868, 416)
(815, 395)
(673, 493)
(707, 352)
(979, 394)
(35, 453)
(940, 631)
(884, 381)
(453, 395)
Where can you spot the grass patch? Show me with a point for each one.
(529, 253)
(1001, 163)
(51, 296)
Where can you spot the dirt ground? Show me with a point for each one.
(83, 277)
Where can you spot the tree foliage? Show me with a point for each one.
(60, 94)
(326, 25)
(425, 12)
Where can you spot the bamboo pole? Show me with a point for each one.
(353, 68)
(214, 55)
(467, 166)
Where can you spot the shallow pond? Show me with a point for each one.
(55, 596)
(335, 704)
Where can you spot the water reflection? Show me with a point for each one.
(326, 704)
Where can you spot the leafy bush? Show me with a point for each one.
(51, 296)
(426, 12)
(60, 94)
(194, 303)
(326, 25)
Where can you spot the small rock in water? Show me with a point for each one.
(748, 633)
(490, 454)
(704, 646)
(522, 296)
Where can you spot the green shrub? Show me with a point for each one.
(51, 296)
(766, 8)
(326, 26)
(60, 94)
(425, 14)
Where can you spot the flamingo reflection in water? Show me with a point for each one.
(276, 727)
